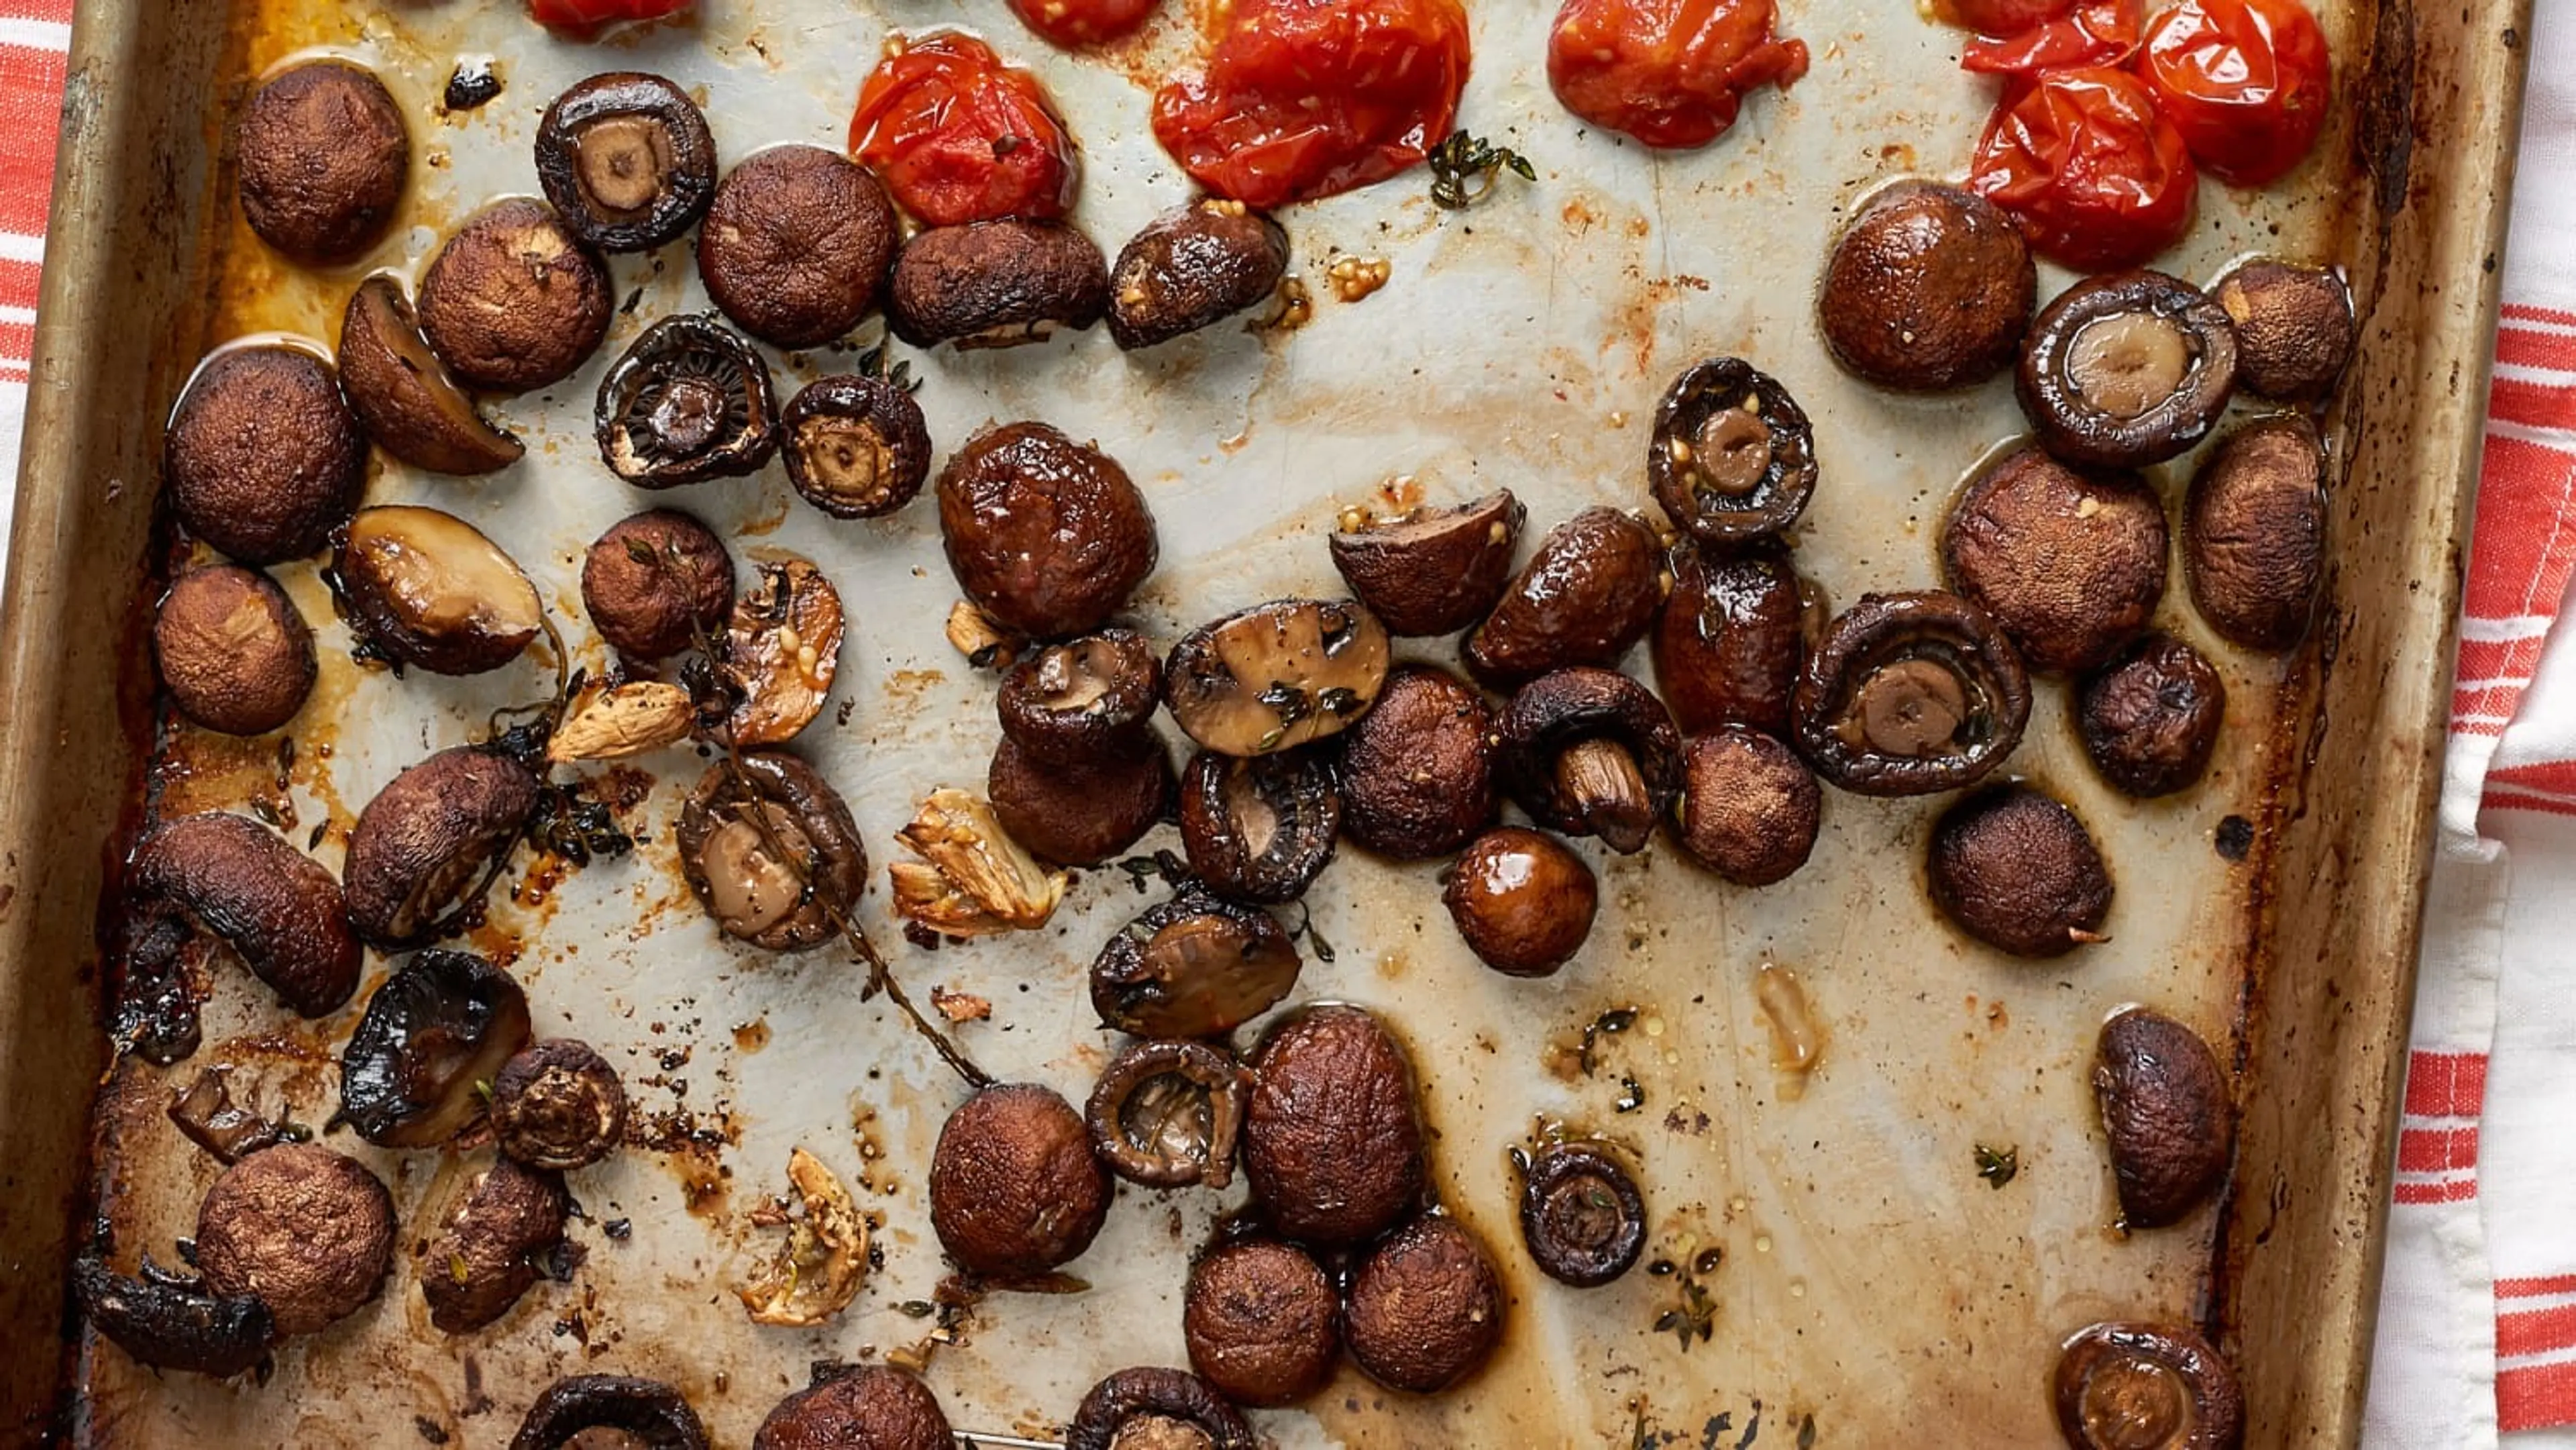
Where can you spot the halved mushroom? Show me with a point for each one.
(513, 300)
(857, 446)
(2294, 328)
(1193, 266)
(232, 651)
(1194, 966)
(1260, 829)
(426, 588)
(2254, 533)
(207, 886)
(627, 160)
(795, 245)
(1434, 570)
(404, 395)
(1581, 1214)
(419, 845)
(2069, 563)
(263, 458)
(971, 879)
(1418, 770)
(484, 1254)
(781, 652)
(1908, 694)
(1276, 676)
(2017, 870)
(996, 284)
(1047, 536)
(1587, 594)
(1070, 703)
(416, 1071)
(1166, 1114)
(824, 1259)
(1930, 288)
(308, 1232)
(1081, 814)
(618, 1412)
(2150, 719)
(172, 1323)
(689, 401)
(1732, 634)
(2165, 1114)
(1590, 753)
(322, 157)
(771, 851)
(1157, 1409)
(2126, 370)
(1733, 456)
(655, 581)
(2146, 1387)
(1014, 1189)
(558, 1105)
(1522, 901)
(1749, 808)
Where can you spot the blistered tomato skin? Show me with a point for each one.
(2097, 33)
(1306, 98)
(586, 18)
(2095, 173)
(2007, 17)
(2246, 82)
(958, 136)
(1071, 23)
(1671, 73)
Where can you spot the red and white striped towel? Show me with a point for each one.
(35, 41)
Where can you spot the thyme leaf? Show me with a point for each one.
(1998, 1166)
(1464, 168)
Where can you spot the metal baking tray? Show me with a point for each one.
(1869, 1284)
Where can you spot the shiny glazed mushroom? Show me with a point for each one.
(1167, 1114)
(2017, 870)
(623, 1411)
(1930, 288)
(771, 851)
(264, 458)
(232, 651)
(1260, 830)
(427, 589)
(2166, 1115)
(170, 1322)
(1590, 753)
(1522, 901)
(689, 401)
(780, 652)
(484, 1253)
(1047, 536)
(1727, 646)
(421, 843)
(210, 883)
(1433, 570)
(1582, 1218)
(1276, 676)
(419, 1068)
(1192, 267)
(1014, 1189)
(627, 160)
(2126, 370)
(1733, 457)
(1909, 694)
(1589, 592)
(1194, 966)
(1069, 703)
(2129, 1386)
(998, 283)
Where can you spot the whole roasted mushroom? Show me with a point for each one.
(2017, 871)
(168, 1322)
(1590, 753)
(689, 401)
(264, 458)
(514, 301)
(856, 446)
(1418, 769)
(1069, 703)
(410, 404)
(2150, 719)
(996, 284)
(1081, 814)
(656, 581)
(627, 160)
(306, 1231)
(485, 1252)
(2069, 563)
(215, 881)
(1426, 1307)
(1167, 1114)
(418, 846)
(744, 814)
(2126, 370)
(1262, 829)
(867, 1406)
(1263, 1322)
(1909, 694)
(1433, 570)
(1749, 808)
(1930, 288)
(1047, 536)
(557, 1105)
(2254, 534)
(1193, 266)
(1522, 901)
(425, 588)
(1332, 1139)
(1581, 1214)
(2166, 1114)
(2133, 1386)
(1587, 594)
(322, 158)
(1733, 457)
(2294, 328)
(1157, 1409)
(626, 1412)
(1014, 1189)
(1276, 676)
(1194, 966)
(795, 245)
(232, 651)
(419, 1067)
(1731, 636)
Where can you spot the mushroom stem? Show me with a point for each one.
(1601, 778)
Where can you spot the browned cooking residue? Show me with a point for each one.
(750, 1037)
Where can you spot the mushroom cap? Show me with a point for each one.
(2126, 369)
(1276, 676)
(1588, 592)
(1114, 1406)
(416, 1071)
(1081, 814)
(1930, 288)
(1836, 712)
(1556, 712)
(1014, 1188)
(645, 606)
(2150, 719)
(794, 247)
(654, 170)
(856, 447)
(2254, 533)
(276, 908)
(1522, 900)
(1069, 703)
(2017, 870)
(1260, 829)
(427, 836)
(2114, 1381)
(559, 1105)
(428, 589)
(688, 401)
(404, 395)
(1733, 457)
(1434, 570)
(728, 862)
(307, 1231)
(1749, 808)
(1582, 1217)
(1196, 965)
(2166, 1114)
(1047, 536)
(1418, 768)
(233, 653)
(653, 1414)
(1332, 1139)
(264, 458)
(1426, 1308)
(1262, 1322)
(173, 1326)
(513, 300)
(1194, 265)
(2069, 563)
(2294, 328)
(1167, 1114)
(483, 1256)
(871, 1406)
(996, 284)
(1727, 646)
(322, 159)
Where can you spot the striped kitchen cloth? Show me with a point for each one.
(35, 40)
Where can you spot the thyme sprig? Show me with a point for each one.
(1465, 168)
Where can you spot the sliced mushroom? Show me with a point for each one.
(2126, 370)
(212, 884)
(419, 845)
(1522, 901)
(484, 1254)
(1581, 1214)
(1590, 753)
(558, 1105)
(1418, 769)
(169, 1325)
(1260, 829)
(857, 447)
(2069, 563)
(1070, 703)
(1749, 808)
(232, 651)
(632, 1413)
(689, 401)
(1908, 694)
(306, 1231)
(1047, 536)
(781, 652)
(1731, 637)
(2146, 1387)
(872, 1406)
(2254, 534)
(1191, 967)
(417, 1070)
(1263, 1322)
(1434, 570)
(2018, 871)
(1930, 288)
(428, 589)
(627, 160)
(2166, 1114)
(1193, 266)
(795, 245)
(2150, 719)
(971, 879)
(204, 1112)
(514, 301)
(2294, 328)
(1014, 1189)
(1733, 457)
(1166, 1114)
(655, 581)
(264, 458)
(322, 158)
(996, 284)
(411, 406)
(1157, 1409)
(1082, 814)
(824, 1260)
(1587, 594)
(1333, 1138)
(778, 878)
(1426, 1308)
(1276, 676)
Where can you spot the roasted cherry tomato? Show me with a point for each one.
(1668, 72)
(1082, 22)
(2247, 83)
(2006, 17)
(1305, 98)
(589, 17)
(957, 136)
(2102, 32)
(2097, 175)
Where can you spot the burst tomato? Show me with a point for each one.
(1305, 98)
(1071, 23)
(2006, 17)
(958, 136)
(2102, 32)
(589, 17)
(2097, 175)
(1668, 72)
(2247, 83)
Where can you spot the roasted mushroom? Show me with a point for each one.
(264, 458)
(1418, 770)
(1081, 814)
(216, 882)
(1070, 703)
(2146, 1387)
(2069, 563)
(411, 406)
(2254, 534)
(426, 588)
(2017, 871)
(205, 1114)
(1047, 536)
(655, 582)
(1590, 753)
(1587, 594)
(688, 402)
(2166, 1113)
(777, 878)
(1166, 1114)
(996, 284)
(856, 446)
(1930, 288)
(485, 1251)
(2150, 719)
(1262, 829)
(1522, 901)
(169, 1323)
(1194, 966)
(418, 1069)
(1276, 676)
(782, 650)
(1434, 570)
(627, 160)
(420, 843)
(1157, 1409)
(1332, 1141)
(2294, 328)
(1426, 1307)
(1731, 637)
(323, 158)
(614, 1412)
(866, 1406)
(1262, 1322)
(1733, 457)
(1749, 807)
(1014, 1189)
(557, 1105)
(1582, 1217)
(233, 653)
(2126, 370)
(1908, 694)
(795, 245)
(306, 1231)
(514, 301)
(1192, 266)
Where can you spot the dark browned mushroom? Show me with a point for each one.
(264, 458)
(2294, 328)
(1262, 829)
(2126, 370)
(618, 1412)
(1731, 637)
(168, 1323)
(1277, 675)
(689, 401)
(2146, 1387)
(2069, 563)
(1522, 901)
(484, 1254)
(1930, 288)
(795, 245)
(1167, 1114)
(417, 1070)
(1332, 1139)
(1908, 694)
(732, 857)
(426, 588)
(514, 301)
(1194, 265)
(1157, 1409)
(1194, 966)
(411, 406)
(204, 1112)
(1733, 457)
(2017, 871)
(558, 1105)
(627, 160)
(419, 845)
(1262, 1322)
(1426, 1307)
(1434, 570)
(1014, 1189)
(2254, 534)
(1081, 814)
(232, 651)
(1590, 753)
(857, 447)
(2166, 1113)
(323, 158)
(1581, 1214)
(866, 1406)
(306, 1231)
(1069, 703)
(996, 284)
(1418, 770)
(1749, 808)
(215, 881)
(2150, 718)
(1587, 594)
(650, 578)
(1047, 536)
